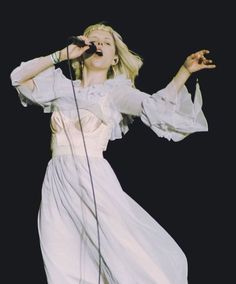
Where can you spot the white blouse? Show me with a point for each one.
(170, 114)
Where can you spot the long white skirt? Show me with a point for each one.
(134, 248)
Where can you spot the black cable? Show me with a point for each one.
(90, 173)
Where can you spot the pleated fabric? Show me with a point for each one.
(86, 222)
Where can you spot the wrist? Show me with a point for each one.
(63, 54)
(186, 69)
(181, 77)
(56, 57)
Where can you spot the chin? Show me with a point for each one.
(100, 65)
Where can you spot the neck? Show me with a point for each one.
(91, 77)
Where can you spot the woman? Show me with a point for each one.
(90, 230)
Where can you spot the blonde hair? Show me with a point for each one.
(128, 64)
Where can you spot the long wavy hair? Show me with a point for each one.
(128, 64)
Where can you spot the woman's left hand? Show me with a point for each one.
(197, 61)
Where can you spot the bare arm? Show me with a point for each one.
(193, 63)
(24, 74)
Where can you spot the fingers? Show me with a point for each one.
(81, 50)
(202, 60)
(207, 63)
(76, 51)
(75, 46)
(199, 54)
(84, 48)
(197, 61)
(210, 66)
(193, 56)
(204, 51)
(85, 39)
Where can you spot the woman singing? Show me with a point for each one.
(90, 230)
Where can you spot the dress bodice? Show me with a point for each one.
(67, 136)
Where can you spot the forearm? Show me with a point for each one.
(30, 69)
(181, 77)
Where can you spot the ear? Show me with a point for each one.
(115, 60)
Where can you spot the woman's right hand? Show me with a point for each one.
(74, 50)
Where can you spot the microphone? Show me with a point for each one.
(79, 42)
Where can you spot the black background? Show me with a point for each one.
(186, 186)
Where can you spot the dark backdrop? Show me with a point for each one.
(186, 186)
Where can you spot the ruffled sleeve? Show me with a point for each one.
(173, 115)
(170, 114)
(45, 85)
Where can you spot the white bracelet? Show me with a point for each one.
(55, 57)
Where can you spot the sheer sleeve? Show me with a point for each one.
(45, 85)
(170, 114)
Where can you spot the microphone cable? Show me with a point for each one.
(87, 159)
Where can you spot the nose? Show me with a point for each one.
(99, 43)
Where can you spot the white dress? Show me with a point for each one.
(134, 248)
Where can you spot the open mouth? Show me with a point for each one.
(99, 52)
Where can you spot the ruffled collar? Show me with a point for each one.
(118, 80)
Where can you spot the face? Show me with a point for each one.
(106, 46)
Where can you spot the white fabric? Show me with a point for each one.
(135, 248)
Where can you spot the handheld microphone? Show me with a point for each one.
(79, 42)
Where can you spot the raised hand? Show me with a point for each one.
(74, 50)
(197, 61)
